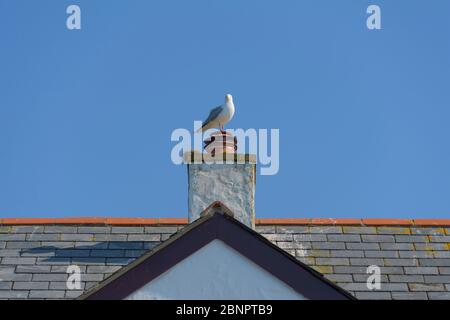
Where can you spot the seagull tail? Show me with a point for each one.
(204, 127)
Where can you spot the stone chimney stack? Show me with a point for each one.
(229, 179)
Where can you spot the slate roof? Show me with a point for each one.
(414, 257)
(217, 222)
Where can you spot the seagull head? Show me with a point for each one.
(228, 98)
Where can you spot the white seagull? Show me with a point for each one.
(220, 115)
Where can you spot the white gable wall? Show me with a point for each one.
(216, 272)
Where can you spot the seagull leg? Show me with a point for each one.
(221, 128)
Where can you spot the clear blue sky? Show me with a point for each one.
(86, 116)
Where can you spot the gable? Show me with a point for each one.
(216, 272)
(217, 224)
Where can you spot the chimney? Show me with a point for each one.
(228, 178)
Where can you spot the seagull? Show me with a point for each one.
(220, 115)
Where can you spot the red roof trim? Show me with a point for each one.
(93, 220)
(390, 222)
(264, 221)
(432, 222)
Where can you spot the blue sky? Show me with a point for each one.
(86, 116)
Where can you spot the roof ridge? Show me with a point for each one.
(261, 221)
